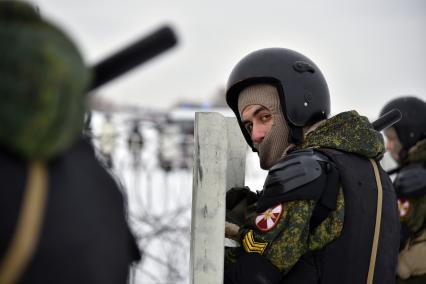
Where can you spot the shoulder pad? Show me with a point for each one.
(297, 169)
(411, 181)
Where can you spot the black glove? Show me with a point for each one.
(251, 268)
(237, 201)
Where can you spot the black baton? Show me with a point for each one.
(387, 120)
(132, 56)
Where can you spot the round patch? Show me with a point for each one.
(403, 207)
(269, 219)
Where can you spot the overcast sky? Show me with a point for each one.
(369, 51)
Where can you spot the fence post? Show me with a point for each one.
(219, 164)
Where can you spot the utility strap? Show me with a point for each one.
(28, 226)
(378, 221)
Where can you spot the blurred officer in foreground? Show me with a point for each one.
(62, 216)
(406, 143)
(327, 212)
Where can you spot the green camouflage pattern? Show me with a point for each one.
(290, 239)
(349, 132)
(417, 153)
(287, 241)
(286, 248)
(43, 81)
(416, 218)
(331, 227)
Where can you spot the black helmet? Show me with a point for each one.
(412, 126)
(302, 88)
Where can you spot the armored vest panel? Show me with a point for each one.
(411, 181)
(300, 175)
(346, 260)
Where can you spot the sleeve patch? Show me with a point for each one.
(250, 245)
(403, 207)
(267, 220)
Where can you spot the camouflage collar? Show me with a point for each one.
(349, 132)
(418, 152)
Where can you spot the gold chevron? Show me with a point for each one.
(250, 245)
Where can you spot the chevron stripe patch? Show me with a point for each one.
(250, 245)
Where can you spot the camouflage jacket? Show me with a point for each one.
(411, 262)
(415, 217)
(290, 237)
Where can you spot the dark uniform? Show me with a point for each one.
(84, 236)
(315, 218)
(410, 185)
(62, 215)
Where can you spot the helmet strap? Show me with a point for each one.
(402, 155)
(296, 135)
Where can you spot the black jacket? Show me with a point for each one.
(84, 236)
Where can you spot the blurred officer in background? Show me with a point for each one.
(62, 216)
(108, 140)
(327, 212)
(406, 143)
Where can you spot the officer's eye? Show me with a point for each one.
(265, 117)
(249, 127)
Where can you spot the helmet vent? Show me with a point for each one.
(303, 66)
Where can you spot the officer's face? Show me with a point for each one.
(393, 145)
(257, 120)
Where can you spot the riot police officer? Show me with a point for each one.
(406, 143)
(62, 216)
(327, 212)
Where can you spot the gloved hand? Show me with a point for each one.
(231, 231)
(237, 201)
